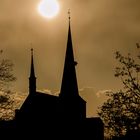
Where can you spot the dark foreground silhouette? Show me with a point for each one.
(131, 135)
(47, 116)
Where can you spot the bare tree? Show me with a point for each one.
(6, 72)
(121, 112)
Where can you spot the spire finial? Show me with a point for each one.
(32, 51)
(69, 14)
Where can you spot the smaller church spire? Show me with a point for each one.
(32, 72)
(32, 78)
(69, 15)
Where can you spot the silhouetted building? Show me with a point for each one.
(72, 106)
(47, 115)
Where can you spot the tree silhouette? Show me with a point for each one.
(6, 76)
(121, 112)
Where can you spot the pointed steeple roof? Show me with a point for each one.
(69, 85)
(32, 72)
(32, 78)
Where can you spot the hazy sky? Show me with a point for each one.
(99, 28)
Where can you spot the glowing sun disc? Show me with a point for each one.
(48, 8)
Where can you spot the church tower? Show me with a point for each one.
(69, 85)
(32, 78)
(72, 105)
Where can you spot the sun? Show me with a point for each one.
(48, 8)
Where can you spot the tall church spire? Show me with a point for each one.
(32, 78)
(69, 85)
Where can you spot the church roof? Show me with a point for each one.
(38, 99)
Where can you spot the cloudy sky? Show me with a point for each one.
(99, 28)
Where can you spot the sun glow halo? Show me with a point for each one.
(48, 8)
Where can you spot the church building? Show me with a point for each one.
(63, 116)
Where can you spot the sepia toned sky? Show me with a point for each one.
(99, 28)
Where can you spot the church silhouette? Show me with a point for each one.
(62, 116)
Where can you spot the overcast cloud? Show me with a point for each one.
(99, 28)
